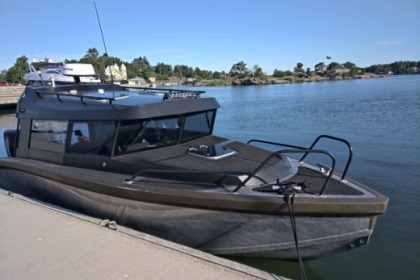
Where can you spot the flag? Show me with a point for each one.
(328, 57)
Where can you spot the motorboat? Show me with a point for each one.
(147, 159)
(49, 73)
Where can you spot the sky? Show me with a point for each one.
(214, 34)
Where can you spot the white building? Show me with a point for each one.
(118, 73)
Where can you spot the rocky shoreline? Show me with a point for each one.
(288, 80)
(276, 81)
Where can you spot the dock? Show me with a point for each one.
(9, 95)
(42, 241)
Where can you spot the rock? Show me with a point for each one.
(248, 82)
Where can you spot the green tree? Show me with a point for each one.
(91, 55)
(163, 71)
(239, 70)
(183, 71)
(3, 74)
(299, 68)
(141, 63)
(16, 72)
(348, 65)
(140, 67)
(71, 61)
(281, 74)
(257, 72)
(320, 68)
(333, 66)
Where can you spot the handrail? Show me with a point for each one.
(160, 90)
(275, 143)
(299, 150)
(294, 149)
(168, 93)
(350, 157)
(82, 97)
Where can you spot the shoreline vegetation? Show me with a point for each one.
(269, 80)
(141, 73)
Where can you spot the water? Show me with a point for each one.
(381, 118)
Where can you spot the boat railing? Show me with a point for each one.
(298, 150)
(350, 149)
(223, 175)
(82, 97)
(168, 93)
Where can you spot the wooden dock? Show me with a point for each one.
(9, 95)
(41, 241)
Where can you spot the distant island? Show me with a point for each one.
(239, 75)
(286, 80)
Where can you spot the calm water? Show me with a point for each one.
(381, 118)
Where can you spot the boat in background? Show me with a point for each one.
(49, 73)
(147, 158)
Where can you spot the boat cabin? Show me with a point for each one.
(90, 125)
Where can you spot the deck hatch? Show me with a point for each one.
(211, 152)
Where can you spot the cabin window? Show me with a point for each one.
(137, 135)
(197, 125)
(48, 135)
(91, 137)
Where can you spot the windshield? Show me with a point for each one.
(137, 135)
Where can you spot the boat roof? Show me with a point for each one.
(109, 102)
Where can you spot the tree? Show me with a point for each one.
(141, 63)
(348, 65)
(183, 71)
(163, 70)
(15, 73)
(280, 74)
(299, 68)
(333, 66)
(257, 72)
(71, 61)
(140, 67)
(239, 70)
(3, 74)
(320, 68)
(91, 55)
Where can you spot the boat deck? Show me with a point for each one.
(207, 193)
(335, 187)
(39, 241)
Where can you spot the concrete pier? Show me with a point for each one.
(40, 241)
(9, 95)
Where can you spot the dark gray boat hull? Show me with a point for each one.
(214, 231)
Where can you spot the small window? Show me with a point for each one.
(197, 125)
(49, 135)
(92, 137)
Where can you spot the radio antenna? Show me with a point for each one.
(103, 40)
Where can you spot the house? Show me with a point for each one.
(137, 81)
(118, 73)
(412, 69)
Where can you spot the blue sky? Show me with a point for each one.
(214, 34)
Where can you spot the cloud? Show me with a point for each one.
(396, 42)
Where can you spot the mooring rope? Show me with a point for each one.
(290, 199)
